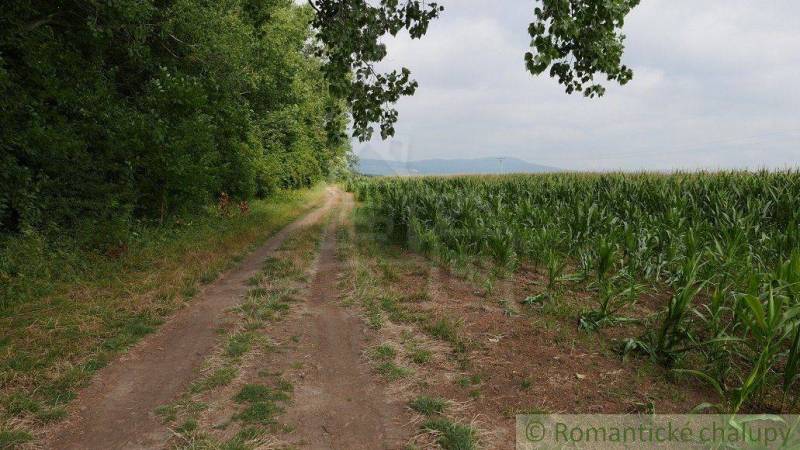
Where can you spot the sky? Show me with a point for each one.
(716, 86)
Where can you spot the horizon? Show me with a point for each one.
(692, 104)
(555, 169)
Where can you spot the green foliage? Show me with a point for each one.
(262, 403)
(428, 406)
(119, 112)
(259, 393)
(350, 32)
(220, 377)
(723, 248)
(578, 39)
(14, 438)
(452, 436)
(384, 352)
(392, 371)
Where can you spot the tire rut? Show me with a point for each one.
(339, 404)
(116, 411)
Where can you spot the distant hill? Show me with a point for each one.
(369, 166)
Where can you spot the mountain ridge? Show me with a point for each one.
(441, 166)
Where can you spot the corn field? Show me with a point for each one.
(724, 248)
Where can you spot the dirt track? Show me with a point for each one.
(117, 410)
(339, 405)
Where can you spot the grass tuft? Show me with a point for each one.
(428, 405)
(392, 371)
(251, 393)
(14, 438)
(384, 352)
(452, 436)
(239, 344)
(220, 377)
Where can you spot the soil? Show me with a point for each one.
(515, 359)
(529, 360)
(338, 403)
(116, 411)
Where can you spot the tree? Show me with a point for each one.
(119, 111)
(349, 33)
(576, 39)
(114, 113)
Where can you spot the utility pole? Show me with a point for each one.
(501, 163)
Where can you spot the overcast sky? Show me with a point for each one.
(716, 85)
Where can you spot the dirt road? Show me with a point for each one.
(116, 410)
(339, 405)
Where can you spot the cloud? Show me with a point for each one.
(713, 87)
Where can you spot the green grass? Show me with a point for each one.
(428, 406)
(261, 403)
(19, 403)
(392, 371)
(239, 344)
(420, 355)
(373, 313)
(244, 440)
(220, 377)
(447, 330)
(262, 413)
(452, 436)
(167, 413)
(65, 312)
(384, 352)
(252, 393)
(471, 380)
(188, 426)
(13, 438)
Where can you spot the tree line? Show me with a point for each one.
(125, 110)
(119, 110)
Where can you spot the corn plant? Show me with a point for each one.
(611, 299)
(716, 319)
(771, 324)
(672, 337)
(719, 244)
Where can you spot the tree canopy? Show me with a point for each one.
(125, 110)
(576, 39)
(134, 109)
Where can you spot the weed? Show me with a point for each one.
(220, 377)
(14, 438)
(446, 329)
(187, 427)
(252, 393)
(452, 436)
(392, 371)
(261, 403)
(428, 406)
(508, 311)
(167, 413)
(420, 355)
(384, 352)
(208, 276)
(239, 344)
